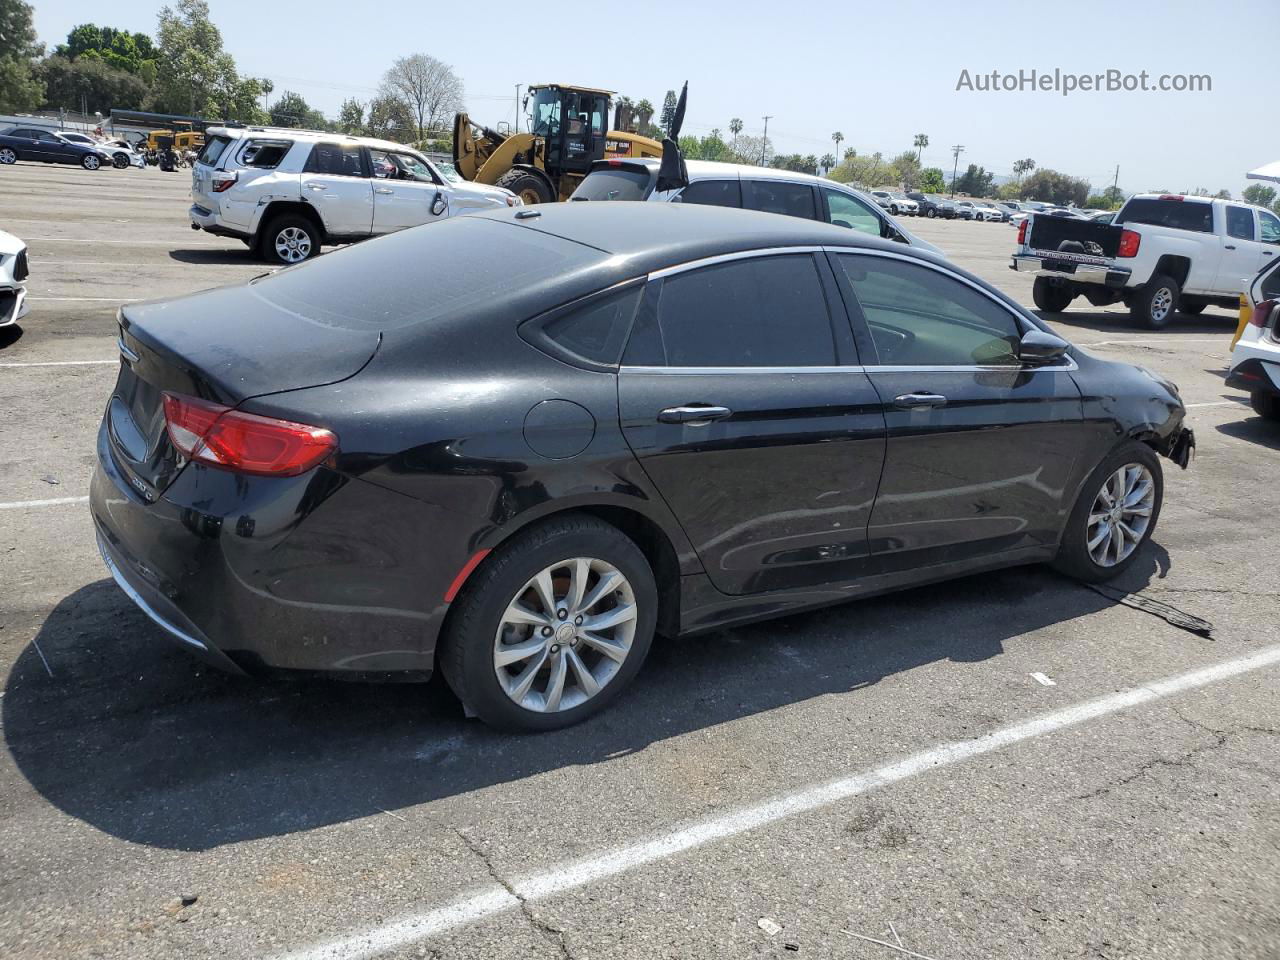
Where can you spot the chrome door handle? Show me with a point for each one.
(1266, 253)
(383, 190)
(1230, 246)
(694, 415)
(910, 401)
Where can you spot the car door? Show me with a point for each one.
(27, 145)
(58, 150)
(336, 181)
(405, 193)
(739, 396)
(1241, 251)
(981, 450)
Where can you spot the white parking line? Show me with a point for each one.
(497, 898)
(57, 502)
(164, 243)
(1215, 403)
(57, 363)
(1127, 340)
(87, 299)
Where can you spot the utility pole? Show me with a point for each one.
(1116, 183)
(518, 86)
(764, 145)
(955, 152)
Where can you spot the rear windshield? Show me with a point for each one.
(1179, 214)
(213, 150)
(614, 183)
(421, 274)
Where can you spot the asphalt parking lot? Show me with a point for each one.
(933, 774)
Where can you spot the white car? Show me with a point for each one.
(1255, 359)
(987, 211)
(285, 192)
(13, 279)
(766, 189)
(882, 198)
(902, 205)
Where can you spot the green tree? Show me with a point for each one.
(828, 161)
(837, 138)
(194, 74)
(390, 118)
(920, 142)
(906, 167)
(932, 180)
(292, 110)
(1260, 194)
(795, 162)
(1113, 197)
(90, 84)
(975, 182)
(863, 171)
(117, 48)
(20, 89)
(1022, 167)
(644, 120)
(1046, 184)
(735, 128)
(668, 119)
(351, 116)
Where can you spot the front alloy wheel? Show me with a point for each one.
(565, 635)
(1120, 514)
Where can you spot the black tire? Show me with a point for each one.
(529, 187)
(1150, 307)
(1073, 552)
(120, 161)
(268, 248)
(1265, 405)
(1191, 308)
(467, 646)
(91, 161)
(1051, 297)
(931, 213)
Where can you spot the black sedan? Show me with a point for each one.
(515, 445)
(30, 143)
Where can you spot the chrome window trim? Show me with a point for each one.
(710, 371)
(1068, 367)
(730, 257)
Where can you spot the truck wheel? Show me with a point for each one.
(289, 238)
(529, 187)
(1156, 302)
(1191, 308)
(1265, 405)
(1051, 297)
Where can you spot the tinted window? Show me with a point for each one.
(846, 211)
(1240, 223)
(213, 150)
(1271, 284)
(715, 193)
(597, 330)
(765, 312)
(24, 132)
(1270, 227)
(919, 316)
(336, 160)
(614, 183)
(1179, 214)
(771, 196)
(264, 154)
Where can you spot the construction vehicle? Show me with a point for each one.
(568, 132)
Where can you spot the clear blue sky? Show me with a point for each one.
(879, 72)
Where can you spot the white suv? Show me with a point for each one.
(1255, 358)
(286, 192)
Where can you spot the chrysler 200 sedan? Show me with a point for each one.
(515, 445)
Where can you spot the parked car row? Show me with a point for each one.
(66, 146)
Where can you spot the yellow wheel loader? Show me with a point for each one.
(569, 132)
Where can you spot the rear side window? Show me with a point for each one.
(713, 193)
(594, 331)
(264, 154)
(1240, 223)
(764, 312)
(614, 183)
(1178, 214)
(770, 196)
(336, 160)
(213, 150)
(919, 316)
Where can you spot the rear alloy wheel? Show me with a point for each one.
(552, 627)
(1115, 514)
(1155, 303)
(1265, 405)
(7, 156)
(290, 239)
(1051, 297)
(90, 161)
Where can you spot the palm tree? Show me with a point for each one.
(837, 137)
(735, 127)
(850, 153)
(811, 164)
(828, 161)
(920, 142)
(1023, 167)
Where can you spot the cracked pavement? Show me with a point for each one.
(297, 811)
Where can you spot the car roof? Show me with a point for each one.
(711, 169)
(304, 136)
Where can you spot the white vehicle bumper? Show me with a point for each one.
(1255, 362)
(13, 304)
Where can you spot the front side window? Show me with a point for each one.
(1240, 223)
(846, 211)
(1270, 227)
(394, 165)
(775, 196)
(761, 312)
(919, 316)
(336, 160)
(714, 193)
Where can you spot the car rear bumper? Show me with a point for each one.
(259, 574)
(1107, 276)
(1256, 375)
(205, 219)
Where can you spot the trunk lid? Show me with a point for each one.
(1075, 240)
(223, 345)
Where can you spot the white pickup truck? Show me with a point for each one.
(1163, 253)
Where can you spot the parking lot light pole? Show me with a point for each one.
(764, 144)
(955, 152)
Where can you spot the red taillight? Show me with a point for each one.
(223, 181)
(244, 442)
(1022, 232)
(1129, 244)
(1262, 313)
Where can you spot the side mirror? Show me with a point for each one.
(1037, 348)
(438, 204)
